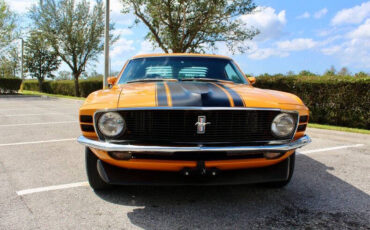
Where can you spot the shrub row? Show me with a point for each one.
(342, 101)
(10, 85)
(64, 87)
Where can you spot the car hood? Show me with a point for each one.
(201, 94)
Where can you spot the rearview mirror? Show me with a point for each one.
(252, 80)
(111, 81)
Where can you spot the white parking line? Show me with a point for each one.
(330, 149)
(37, 142)
(51, 188)
(15, 109)
(33, 114)
(44, 123)
(85, 183)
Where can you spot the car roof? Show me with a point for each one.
(179, 55)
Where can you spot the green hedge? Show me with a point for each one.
(10, 85)
(343, 101)
(64, 87)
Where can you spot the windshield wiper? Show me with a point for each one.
(151, 79)
(205, 79)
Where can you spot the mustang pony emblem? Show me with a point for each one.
(201, 124)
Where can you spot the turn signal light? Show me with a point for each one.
(121, 155)
(271, 155)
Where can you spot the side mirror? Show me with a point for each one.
(252, 80)
(111, 81)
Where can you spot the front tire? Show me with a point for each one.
(93, 176)
(280, 184)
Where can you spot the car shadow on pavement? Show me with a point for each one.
(314, 199)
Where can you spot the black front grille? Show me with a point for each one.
(178, 126)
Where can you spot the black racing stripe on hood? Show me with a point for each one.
(201, 94)
(161, 95)
(238, 101)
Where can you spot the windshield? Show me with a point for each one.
(181, 69)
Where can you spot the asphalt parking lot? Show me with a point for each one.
(44, 183)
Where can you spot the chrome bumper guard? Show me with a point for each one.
(110, 147)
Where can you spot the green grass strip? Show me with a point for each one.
(339, 128)
(27, 92)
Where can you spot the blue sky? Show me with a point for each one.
(295, 35)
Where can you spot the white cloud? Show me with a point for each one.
(271, 25)
(121, 47)
(267, 21)
(21, 6)
(331, 50)
(355, 49)
(304, 15)
(296, 44)
(321, 13)
(362, 32)
(354, 15)
(116, 15)
(318, 14)
(147, 47)
(282, 48)
(222, 48)
(116, 6)
(122, 31)
(263, 53)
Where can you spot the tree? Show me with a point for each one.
(95, 75)
(7, 24)
(362, 74)
(331, 72)
(75, 31)
(64, 75)
(10, 61)
(7, 35)
(181, 26)
(290, 73)
(306, 73)
(5, 70)
(344, 72)
(40, 59)
(14, 58)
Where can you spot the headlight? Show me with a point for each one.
(111, 124)
(283, 125)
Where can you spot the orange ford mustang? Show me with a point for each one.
(179, 119)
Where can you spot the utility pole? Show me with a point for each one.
(106, 45)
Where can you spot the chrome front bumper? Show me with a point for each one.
(106, 146)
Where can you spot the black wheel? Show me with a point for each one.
(93, 176)
(280, 184)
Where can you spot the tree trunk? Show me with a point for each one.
(40, 85)
(77, 87)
